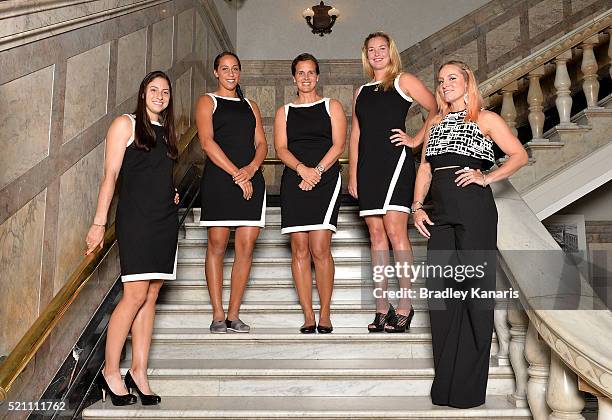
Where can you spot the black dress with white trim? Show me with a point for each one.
(385, 172)
(309, 138)
(147, 218)
(221, 199)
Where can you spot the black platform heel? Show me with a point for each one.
(322, 329)
(399, 323)
(145, 399)
(127, 399)
(381, 319)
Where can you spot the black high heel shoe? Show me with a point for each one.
(381, 319)
(145, 399)
(322, 329)
(308, 329)
(127, 399)
(399, 323)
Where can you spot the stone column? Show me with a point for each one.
(537, 354)
(590, 84)
(562, 394)
(562, 85)
(503, 335)
(518, 321)
(535, 99)
(508, 110)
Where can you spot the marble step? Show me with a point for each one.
(279, 267)
(314, 378)
(288, 343)
(279, 315)
(316, 408)
(271, 290)
(273, 214)
(281, 247)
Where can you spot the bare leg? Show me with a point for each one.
(320, 249)
(215, 251)
(246, 236)
(396, 226)
(134, 296)
(302, 274)
(379, 249)
(142, 330)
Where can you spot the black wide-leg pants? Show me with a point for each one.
(464, 234)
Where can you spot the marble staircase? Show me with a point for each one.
(276, 372)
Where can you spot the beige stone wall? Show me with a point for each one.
(62, 82)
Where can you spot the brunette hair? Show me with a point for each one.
(144, 134)
(395, 65)
(304, 57)
(474, 98)
(216, 66)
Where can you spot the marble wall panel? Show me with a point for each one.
(77, 205)
(289, 93)
(265, 97)
(269, 132)
(468, 54)
(25, 118)
(161, 55)
(86, 90)
(201, 41)
(182, 102)
(21, 238)
(342, 93)
(503, 39)
(578, 5)
(199, 87)
(184, 30)
(544, 15)
(427, 76)
(131, 64)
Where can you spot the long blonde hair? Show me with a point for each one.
(395, 65)
(474, 100)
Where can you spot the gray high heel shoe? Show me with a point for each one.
(218, 327)
(237, 326)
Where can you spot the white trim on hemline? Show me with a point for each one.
(399, 89)
(394, 178)
(153, 276)
(236, 223)
(307, 228)
(382, 212)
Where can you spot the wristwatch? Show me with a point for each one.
(320, 169)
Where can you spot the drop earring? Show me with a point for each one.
(465, 98)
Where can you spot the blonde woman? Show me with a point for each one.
(381, 166)
(462, 230)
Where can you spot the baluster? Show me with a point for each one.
(604, 404)
(590, 84)
(508, 110)
(535, 99)
(537, 354)
(562, 395)
(518, 321)
(562, 85)
(503, 334)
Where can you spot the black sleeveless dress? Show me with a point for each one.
(221, 199)
(147, 218)
(309, 138)
(385, 172)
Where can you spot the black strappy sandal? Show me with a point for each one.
(399, 323)
(381, 319)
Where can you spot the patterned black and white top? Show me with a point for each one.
(454, 135)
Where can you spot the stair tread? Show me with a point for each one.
(273, 306)
(304, 407)
(340, 333)
(422, 368)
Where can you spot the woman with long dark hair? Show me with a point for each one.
(232, 191)
(381, 166)
(309, 136)
(140, 152)
(462, 231)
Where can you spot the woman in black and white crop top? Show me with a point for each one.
(462, 230)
